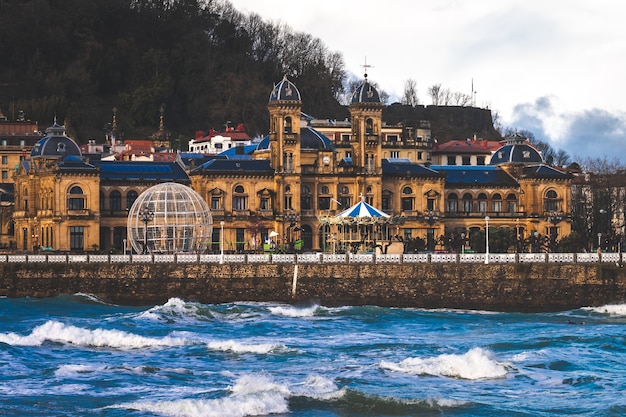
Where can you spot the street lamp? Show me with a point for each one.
(462, 242)
(599, 241)
(222, 242)
(146, 216)
(431, 218)
(486, 239)
(124, 241)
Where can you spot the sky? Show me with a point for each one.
(555, 68)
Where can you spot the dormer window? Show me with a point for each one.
(61, 147)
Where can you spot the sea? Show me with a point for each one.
(80, 356)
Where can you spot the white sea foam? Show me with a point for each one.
(250, 396)
(289, 311)
(239, 347)
(319, 388)
(175, 308)
(475, 364)
(59, 332)
(611, 309)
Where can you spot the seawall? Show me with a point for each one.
(528, 287)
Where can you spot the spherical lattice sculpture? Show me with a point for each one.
(170, 218)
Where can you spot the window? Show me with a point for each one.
(323, 203)
(324, 190)
(216, 202)
(480, 160)
(369, 126)
(345, 137)
(131, 196)
(395, 154)
(551, 202)
(386, 201)
(5, 174)
(392, 138)
(451, 160)
(76, 200)
(482, 203)
(453, 203)
(77, 238)
(468, 204)
(288, 125)
(511, 203)
(305, 198)
(5, 159)
(115, 200)
(407, 199)
(496, 203)
(419, 156)
(466, 160)
(240, 198)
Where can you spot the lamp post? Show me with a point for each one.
(462, 242)
(599, 241)
(431, 218)
(486, 239)
(222, 242)
(124, 241)
(146, 216)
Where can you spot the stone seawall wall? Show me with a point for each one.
(501, 287)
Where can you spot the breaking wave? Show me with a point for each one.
(55, 331)
(475, 364)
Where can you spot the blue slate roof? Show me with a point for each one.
(544, 171)
(74, 163)
(141, 171)
(400, 166)
(242, 166)
(309, 139)
(476, 175)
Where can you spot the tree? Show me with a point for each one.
(409, 97)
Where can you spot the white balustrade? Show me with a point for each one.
(259, 258)
(98, 259)
(560, 257)
(187, 258)
(532, 257)
(164, 259)
(391, 258)
(283, 258)
(416, 258)
(57, 258)
(443, 258)
(37, 258)
(361, 258)
(308, 258)
(120, 259)
(77, 258)
(333, 258)
(142, 259)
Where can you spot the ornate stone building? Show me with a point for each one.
(288, 185)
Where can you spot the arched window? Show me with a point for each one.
(468, 205)
(511, 203)
(76, 199)
(240, 198)
(131, 196)
(482, 203)
(369, 126)
(305, 197)
(288, 125)
(387, 199)
(551, 201)
(408, 199)
(115, 200)
(453, 203)
(496, 203)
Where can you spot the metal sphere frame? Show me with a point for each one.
(169, 218)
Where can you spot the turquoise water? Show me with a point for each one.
(77, 356)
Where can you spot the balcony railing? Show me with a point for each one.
(322, 258)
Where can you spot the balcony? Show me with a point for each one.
(78, 212)
(482, 214)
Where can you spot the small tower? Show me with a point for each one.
(285, 107)
(366, 112)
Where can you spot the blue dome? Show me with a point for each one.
(55, 144)
(516, 151)
(365, 93)
(285, 90)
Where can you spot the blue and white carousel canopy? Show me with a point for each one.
(362, 209)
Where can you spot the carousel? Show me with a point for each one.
(361, 228)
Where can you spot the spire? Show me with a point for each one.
(365, 67)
